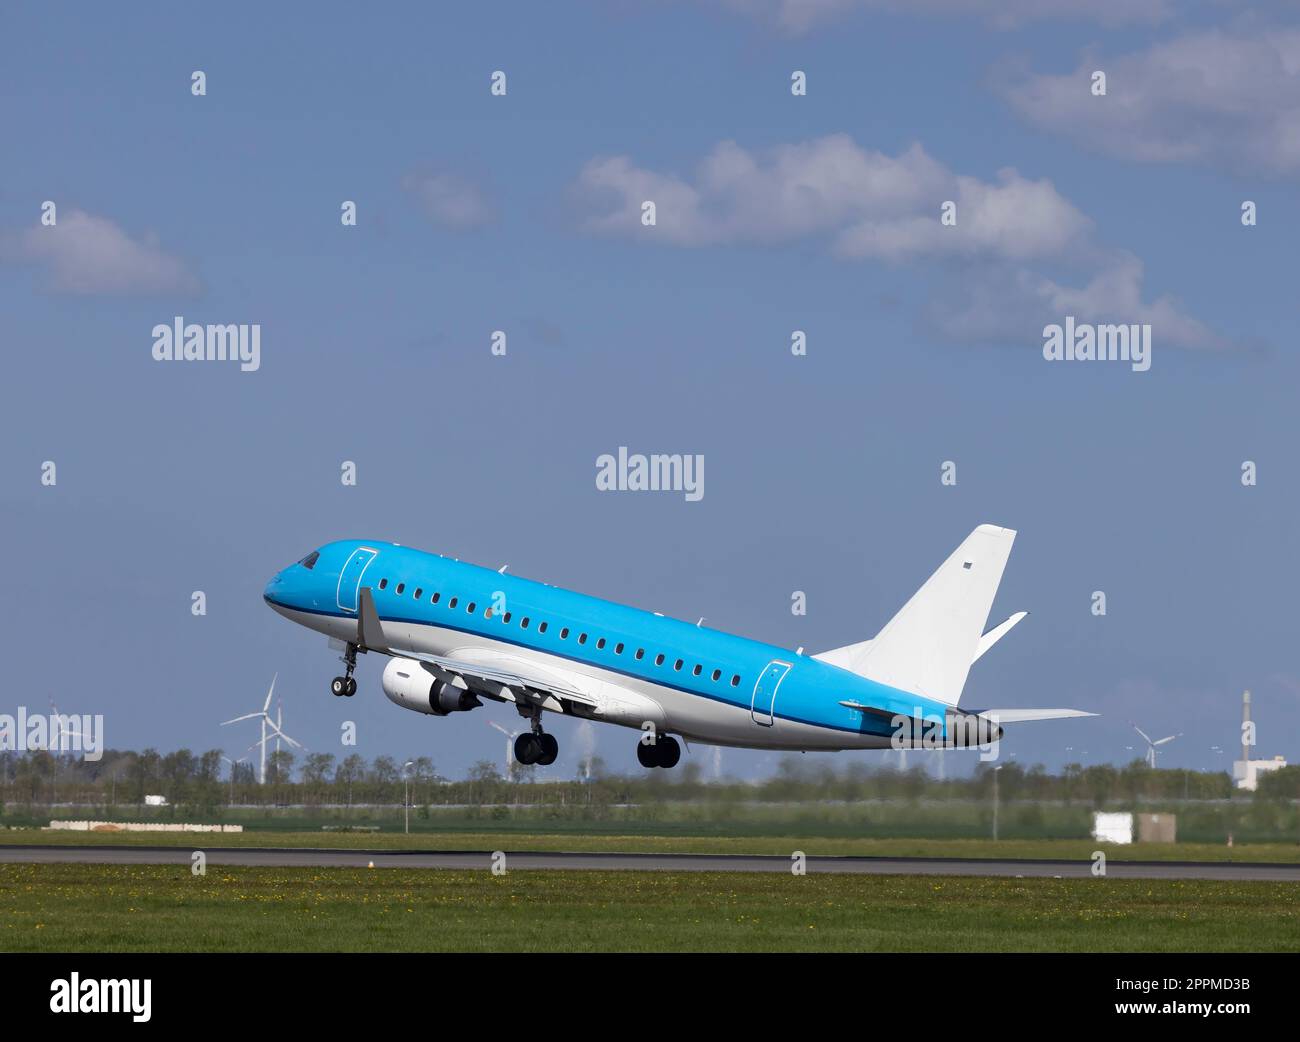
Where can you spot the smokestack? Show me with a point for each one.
(1245, 725)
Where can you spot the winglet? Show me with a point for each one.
(370, 634)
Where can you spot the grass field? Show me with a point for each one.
(157, 908)
(1071, 849)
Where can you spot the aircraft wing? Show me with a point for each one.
(502, 683)
(482, 677)
(490, 673)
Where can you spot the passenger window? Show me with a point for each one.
(717, 673)
(640, 654)
(541, 628)
(523, 623)
(451, 603)
(677, 665)
(400, 588)
(659, 660)
(470, 610)
(505, 617)
(383, 584)
(418, 591)
(436, 596)
(582, 638)
(564, 633)
(618, 649)
(600, 644)
(696, 670)
(487, 614)
(735, 681)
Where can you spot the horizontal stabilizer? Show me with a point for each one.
(1020, 716)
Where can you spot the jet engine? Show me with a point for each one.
(412, 685)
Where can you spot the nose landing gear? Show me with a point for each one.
(346, 685)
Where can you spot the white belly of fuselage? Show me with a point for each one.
(628, 700)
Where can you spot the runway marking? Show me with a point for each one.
(288, 857)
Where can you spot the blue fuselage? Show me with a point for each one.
(713, 686)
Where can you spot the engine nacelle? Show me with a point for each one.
(412, 685)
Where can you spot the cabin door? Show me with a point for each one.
(350, 577)
(761, 709)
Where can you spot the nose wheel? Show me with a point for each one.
(346, 686)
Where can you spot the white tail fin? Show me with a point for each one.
(928, 647)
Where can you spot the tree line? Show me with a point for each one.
(208, 781)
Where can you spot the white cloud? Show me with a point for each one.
(798, 16)
(867, 205)
(88, 254)
(1220, 98)
(449, 199)
(1000, 304)
(1013, 219)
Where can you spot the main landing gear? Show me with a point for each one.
(540, 748)
(535, 746)
(665, 752)
(346, 685)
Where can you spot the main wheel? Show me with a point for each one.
(669, 751)
(647, 755)
(527, 749)
(339, 686)
(550, 749)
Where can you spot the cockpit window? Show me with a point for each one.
(310, 560)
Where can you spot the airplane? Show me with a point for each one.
(457, 634)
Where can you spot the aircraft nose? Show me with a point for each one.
(272, 587)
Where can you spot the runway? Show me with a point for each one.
(471, 860)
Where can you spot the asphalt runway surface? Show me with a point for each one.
(302, 857)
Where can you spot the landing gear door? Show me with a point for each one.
(762, 707)
(350, 576)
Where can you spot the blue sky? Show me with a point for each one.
(478, 213)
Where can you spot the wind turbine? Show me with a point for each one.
(279, 711)
(264, 715)
(510, 747)
(232, 772)
(279, 733)
(72, 729)
(1151, 746)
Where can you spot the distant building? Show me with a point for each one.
(1112, 827)
(1246, 772)
(1157, 828)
